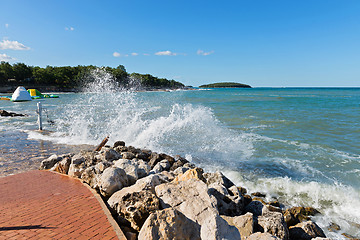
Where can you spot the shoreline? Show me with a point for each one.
(141, 180)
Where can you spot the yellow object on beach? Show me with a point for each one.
(4, 98)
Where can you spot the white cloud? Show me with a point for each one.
(69, 28)
(201, 52)
(134, 54)
(146, 54)
(116, 54)
(6, 58)
(166, 53)
(13, 45)
(6, 25)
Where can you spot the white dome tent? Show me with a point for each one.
(21, 95)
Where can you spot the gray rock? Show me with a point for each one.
(274, 223)
(306, 231)
(128, 155)
(262, 236)
(111, 180)
(101, 166)
(118, 143)
(191, 198)
(229, 205)
(50, 162)
(163, 165)
(180, 170)
(244, 223)
(169, 224)
(218, 177)
(111, 155)
(154, 159)
(77, 166)
(135, 169)
(256, 207)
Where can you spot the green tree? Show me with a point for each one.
(21, 71)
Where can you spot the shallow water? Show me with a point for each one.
(297, 145)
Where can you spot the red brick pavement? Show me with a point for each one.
(46, 205)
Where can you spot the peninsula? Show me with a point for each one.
(225, 85)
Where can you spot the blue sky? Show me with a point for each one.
(261, 43)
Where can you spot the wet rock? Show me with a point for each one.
(143, 155)
(258, 194)
(137, 206)
(262, 236)
(119, 143)
(170, 159)
(218, 177)
(111, 180)
(244, 223)
(257, 208)
(296, 215)
(63, 165)
(333, 227)
(274, 223)
(50, 162)
(154, 159)
(192, 199)
(169, 224)
(4, 113)
(242, 190)
(306, 231)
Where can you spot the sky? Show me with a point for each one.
(263, 43)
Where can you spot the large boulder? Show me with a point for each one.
(110, 154)
(257, 208)
(90, 177)
(218, 177)
(274, 223)
(191, 198)
(50, 162)
(169, 224)
(134, 169)
(195, 173)
(296, 215)
(306, 231)
(111, 180)
(244, 223)
(135, 207)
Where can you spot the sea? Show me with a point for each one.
(300, 146)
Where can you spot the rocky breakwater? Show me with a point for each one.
(157, 196)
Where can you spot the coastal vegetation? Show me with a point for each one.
(69, 77)
(225, 85)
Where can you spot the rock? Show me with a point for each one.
(101, 166)
(176, 165)
(137, 206)
(128, 155)
(169, 224)
(134, 169)
(111, 155)
(247, 200)
(121, 149)
(306, 231)
(242, 190)
(111, 180)
(154, 159)
(191, 198)
(296, 215)
(170, 159)
(50, 162)
(257, 208)
(143, 155)
(218, 177)
(274, 223)
(180, 170)
(77, 166)
(163, 165)
(333, 227)
(229, 205)
(118, 143)
(195, 173)
(4, 113)
(262, 236)
(244, 223)
(147, 183)
(62, 166)
(258, 194)
(90, 177)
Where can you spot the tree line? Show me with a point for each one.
(73, 77)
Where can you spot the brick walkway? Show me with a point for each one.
(46, 205)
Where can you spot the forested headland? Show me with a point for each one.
(69, 78)
(225, 85)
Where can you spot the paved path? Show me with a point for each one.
(46, 205)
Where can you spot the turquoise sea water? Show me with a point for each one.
(298, 145)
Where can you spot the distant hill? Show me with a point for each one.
(225, 85)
